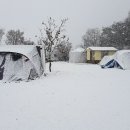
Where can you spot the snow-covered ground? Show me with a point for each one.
(72, 97)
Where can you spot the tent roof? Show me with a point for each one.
(106, 59)
(22, 49)
(122, 52)
(102, 48)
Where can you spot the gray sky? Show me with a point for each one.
(28, 15)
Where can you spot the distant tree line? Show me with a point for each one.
(14, 37)
(116, 35)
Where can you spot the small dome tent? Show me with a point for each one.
(77, 56)
(121, 59)
(21, 62)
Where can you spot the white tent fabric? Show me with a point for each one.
(123, 58)
(106, 59)
(77, 56)
(29, 65)
(120, 59)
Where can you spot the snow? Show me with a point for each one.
(103, 48)
(72, 97)
(123, 51)
(22, 49)
(123, 58)
(78, 50)
(106, 59)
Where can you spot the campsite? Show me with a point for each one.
(65, 65)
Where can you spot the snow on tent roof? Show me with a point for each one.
(22, 49)
(123, 58)
(103, 48)
(122, 52)
(106, 59)
(78, 50)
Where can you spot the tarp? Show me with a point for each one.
(20, 62)
(77, 56)
(121, 59)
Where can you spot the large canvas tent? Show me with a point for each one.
(77, 56)
(121, 59)
(21, 62)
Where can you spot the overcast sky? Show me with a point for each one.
(28, 15)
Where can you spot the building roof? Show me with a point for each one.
(102, 48)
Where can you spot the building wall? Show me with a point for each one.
(93, 56)
(88, 54)
(111, 52)
(100, 54)
(97, 55)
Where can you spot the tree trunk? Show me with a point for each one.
(50, 66)
(50, 60)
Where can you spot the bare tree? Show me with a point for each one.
(1, 34)
(52, 35)
(14, 37)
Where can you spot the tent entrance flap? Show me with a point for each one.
(112, 64)
(2, 67)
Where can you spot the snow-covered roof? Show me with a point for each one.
(102, 48)
(78, 50)
(22, 49)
